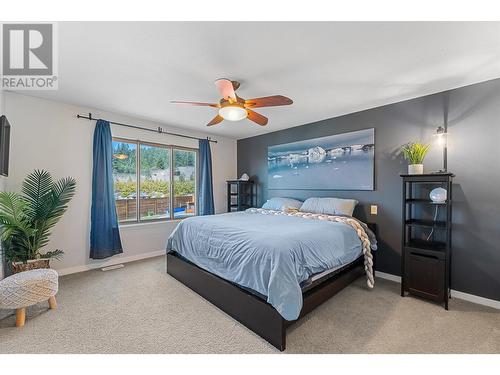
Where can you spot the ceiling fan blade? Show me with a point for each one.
(256, 117)
(268, 101)
(215, 120)
(196, 104)
(226, 89)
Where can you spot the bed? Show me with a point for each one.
(269, 268)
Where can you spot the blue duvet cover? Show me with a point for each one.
(270, 254)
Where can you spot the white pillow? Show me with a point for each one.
(329, 206)
(282, 204)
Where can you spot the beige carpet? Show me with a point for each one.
(140, 309)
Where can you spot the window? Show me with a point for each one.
(154, 202)
(125, 180)
(184, 183)
(166, 183)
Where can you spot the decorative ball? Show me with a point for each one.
(438, 195)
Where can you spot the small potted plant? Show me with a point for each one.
(414, 153)
(26, 219)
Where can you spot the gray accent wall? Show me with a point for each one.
(473, 117)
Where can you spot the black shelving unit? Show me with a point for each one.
(426, 239)
(240, 195)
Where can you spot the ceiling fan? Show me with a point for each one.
(233, 108)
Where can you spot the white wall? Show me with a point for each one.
(47, 135)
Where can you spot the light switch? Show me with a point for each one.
(373, 209)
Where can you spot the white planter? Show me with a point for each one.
(415, 169)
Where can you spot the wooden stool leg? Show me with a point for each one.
(20, 317)
(53, 302)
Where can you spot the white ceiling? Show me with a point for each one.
(327, 68)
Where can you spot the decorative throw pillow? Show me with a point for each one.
(329, 206)
(282, 204)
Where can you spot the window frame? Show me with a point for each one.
(170, 148)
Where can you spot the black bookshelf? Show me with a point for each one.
(426, 239)
(240, 195)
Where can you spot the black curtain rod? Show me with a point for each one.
(159, 130)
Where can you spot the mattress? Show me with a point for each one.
(321, 277)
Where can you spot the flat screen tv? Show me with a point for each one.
(4, 145)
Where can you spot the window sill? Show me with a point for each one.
(145, 224)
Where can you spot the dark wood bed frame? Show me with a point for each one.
(252, 311)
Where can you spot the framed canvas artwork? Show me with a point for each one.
(337, 162)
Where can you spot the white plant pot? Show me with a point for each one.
(416, 169)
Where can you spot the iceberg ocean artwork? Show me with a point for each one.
(336, 162)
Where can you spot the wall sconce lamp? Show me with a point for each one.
(442, 141)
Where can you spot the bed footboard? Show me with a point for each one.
(249, 310)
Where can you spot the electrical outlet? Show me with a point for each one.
(373, 209)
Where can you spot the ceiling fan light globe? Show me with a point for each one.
(233, 113)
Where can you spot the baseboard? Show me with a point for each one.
(476, 299)
(109, 262)
(454, 293)
(388, 276)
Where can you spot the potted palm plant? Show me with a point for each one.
(414, 153)
(26, 219)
